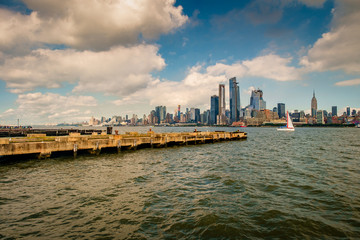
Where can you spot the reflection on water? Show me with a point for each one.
(303, 184)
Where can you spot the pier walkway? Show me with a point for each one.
(43, 146)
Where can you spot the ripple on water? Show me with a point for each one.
(273, 185)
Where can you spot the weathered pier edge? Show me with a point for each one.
(43, 146)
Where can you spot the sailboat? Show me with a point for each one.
(289, 125)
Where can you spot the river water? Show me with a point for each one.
(302, 184)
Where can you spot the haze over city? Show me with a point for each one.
(66, 61)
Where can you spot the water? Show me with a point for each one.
(302, 184)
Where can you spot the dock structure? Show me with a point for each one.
(43, 146)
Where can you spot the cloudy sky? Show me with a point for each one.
(72, 59)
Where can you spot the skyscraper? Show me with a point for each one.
(320, 117)
(214, 109)
(160, 113)
(197, 115)
(256, 100)
(347, 111)
(334, 110)
(313, 105)
(178, 112)
(234, 96)
(281, 110)
(192, 114)
(222, 105)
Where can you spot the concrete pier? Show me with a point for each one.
(43, 146)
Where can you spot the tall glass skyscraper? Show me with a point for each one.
(281, 110)
(214, 109)
(160, 113)
(221, 117)
(234, 97)
(334, 110)
(256, 100)
(313, 105)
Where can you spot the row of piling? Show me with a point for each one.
(43, 146)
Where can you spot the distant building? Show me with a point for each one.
(214, 109)
(234, 97)
(204, 117)
(334, 110)
(281, 110)
(256, 100)
(192, 114)
(320, 118)
(347, 111)
(275, 109)
(178, 112)
(353, 113)
(160, 113)
(261, 116)
(295, 117)
(313, 105)
(197, 115)
(221, 117)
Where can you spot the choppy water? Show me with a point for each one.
(304, 184)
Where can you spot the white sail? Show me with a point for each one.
(289, 122)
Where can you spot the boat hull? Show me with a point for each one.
(286, 129)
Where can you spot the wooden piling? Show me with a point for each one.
(45, 145)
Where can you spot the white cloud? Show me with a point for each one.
(249, 90)
(39, 107)
(352, 82)
(83, 24)
(200, 83)
(338, 49)
(313, 3)
(273, 67)
(260, 12)
(119, 70)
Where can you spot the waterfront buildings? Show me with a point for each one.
(275, 109)
(178, 112)
(253, 114)
(320, 117)
(234, 98)
(348, 111)
(214, 109)
(281, 110)
(313, 105)
(160, 113)
(256, 100)
(222, 106)
(334, 110)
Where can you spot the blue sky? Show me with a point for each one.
(70, 60)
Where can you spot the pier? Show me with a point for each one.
(44, 146)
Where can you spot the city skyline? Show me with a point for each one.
(59, 64)
(254, 114)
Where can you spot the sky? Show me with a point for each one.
(65, 61)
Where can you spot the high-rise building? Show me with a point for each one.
(234, 97)
(178, 112)
(256, 100)
(281, 110)
(197, 115)
(347, 111)
(222, 105)
(214, 109)
(320, 118)
(160, 113)
(192, 114)
(275, 110)
(334, 110)
(313, 105)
